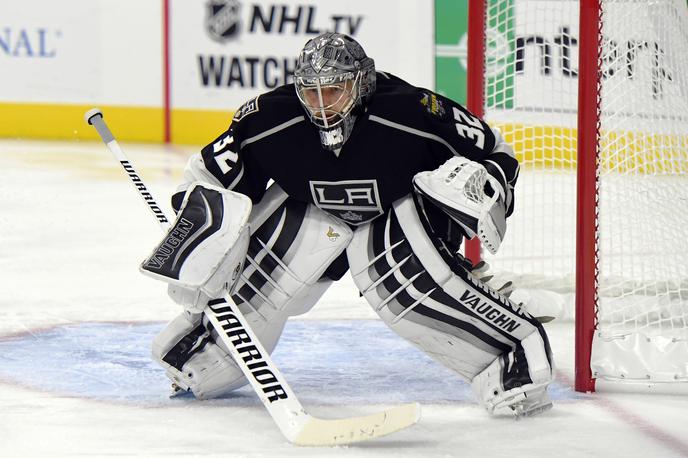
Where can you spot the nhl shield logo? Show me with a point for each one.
(223, 19)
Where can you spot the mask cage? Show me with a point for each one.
(314, 92)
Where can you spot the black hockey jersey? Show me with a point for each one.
(403, 131)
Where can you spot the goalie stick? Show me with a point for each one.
(296, 424)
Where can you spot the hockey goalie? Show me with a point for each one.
(368, 174)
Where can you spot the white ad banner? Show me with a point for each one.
(224, 52)
(536, 51)
(81, 52)
(47, 49)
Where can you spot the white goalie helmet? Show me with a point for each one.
(334, 79)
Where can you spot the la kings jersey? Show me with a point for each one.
(403, 131)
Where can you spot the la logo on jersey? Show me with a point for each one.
(354, 201)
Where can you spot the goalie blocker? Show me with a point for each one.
(205, 248)
(290, 247)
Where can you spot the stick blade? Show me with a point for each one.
(321, 432)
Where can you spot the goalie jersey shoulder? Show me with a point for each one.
(266, 111)
(256, 116)
(432, 115)
(396, 98)
(232, 158)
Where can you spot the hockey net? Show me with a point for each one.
(639, 322)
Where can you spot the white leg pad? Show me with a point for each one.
(193, 361)
(287, 257)
(516, 382)
(284, 264)
(446, 311)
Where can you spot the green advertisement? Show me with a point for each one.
(451, 41)
(451, 23)
(500, 61)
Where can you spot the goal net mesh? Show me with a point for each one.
(642, 251)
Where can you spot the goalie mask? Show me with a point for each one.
(334, 79)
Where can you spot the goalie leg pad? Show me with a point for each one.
(186, 348)
(445, 311)
(287, 256)
(517, 381)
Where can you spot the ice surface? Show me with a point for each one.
(325, 362)
(76, 321)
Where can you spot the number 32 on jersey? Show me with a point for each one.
(226, 157)
(468, 126)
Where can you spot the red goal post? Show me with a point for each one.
(586, 207)
(475, 96)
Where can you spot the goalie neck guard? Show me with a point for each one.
(334, 79)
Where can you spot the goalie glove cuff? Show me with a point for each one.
(499, 181)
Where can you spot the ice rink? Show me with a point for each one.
(77, 321)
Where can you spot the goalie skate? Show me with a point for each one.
(516, 382)
(527, 404)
